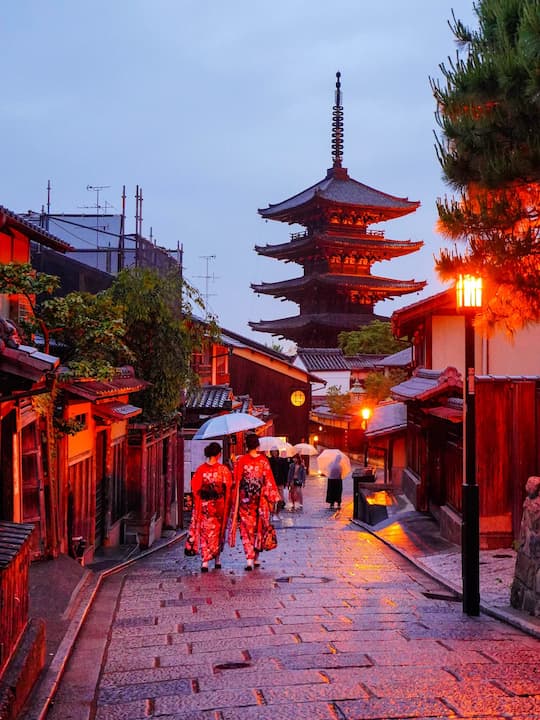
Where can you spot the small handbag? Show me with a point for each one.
(269, 538)
(189, 548)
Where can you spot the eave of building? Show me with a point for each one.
(371, 285)
(315, 246)
(427, 384)
(300, 323)
(10, 221)
(406, 319)
(340, 192)
(272, 364)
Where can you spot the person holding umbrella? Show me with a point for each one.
(212, 491)
(256, 495)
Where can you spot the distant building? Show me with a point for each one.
(337, 291)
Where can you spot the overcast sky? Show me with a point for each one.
(217, 109)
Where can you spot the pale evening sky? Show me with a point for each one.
(217, 109)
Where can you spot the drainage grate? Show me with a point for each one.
(303, 579)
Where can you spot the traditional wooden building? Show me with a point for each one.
(93, 462)
(337, 250)
(507, 392)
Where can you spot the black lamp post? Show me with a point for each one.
(469, 300)
(365, 413)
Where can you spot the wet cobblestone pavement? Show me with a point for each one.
(334, 626)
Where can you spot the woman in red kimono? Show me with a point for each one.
(211, 485)
(256, 495)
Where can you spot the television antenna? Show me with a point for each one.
(97, 189)
(207, 279)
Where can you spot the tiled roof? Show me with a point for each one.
(425, 384)
(363, 361)
(387, 418)
(371, 245)
(402, 358)
(339, 188)
(27, 362)
(317, 359)
(13, 536)
(210, 397)
(32, 231)
(312, 282)
(124, 382)
(341, 321)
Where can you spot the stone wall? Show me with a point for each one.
(525, 592)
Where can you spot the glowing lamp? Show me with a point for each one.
(468, 292)
(298, 398)
(365, 412)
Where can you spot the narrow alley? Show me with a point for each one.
(334, 625)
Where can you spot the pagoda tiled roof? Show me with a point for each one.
(340, 189)
(371, 283)
(368, 244)
(341, 321)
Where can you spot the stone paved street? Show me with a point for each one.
(334, 625)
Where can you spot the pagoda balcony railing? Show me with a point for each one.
(299, 235)
(375, 233)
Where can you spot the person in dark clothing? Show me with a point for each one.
(334, 486)
(280, 470)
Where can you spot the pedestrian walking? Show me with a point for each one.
(334, 484)
(280, 471)
(296, 481)
(256, 495)
(211, 485)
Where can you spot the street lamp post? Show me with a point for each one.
(365, 413)
(469, 300)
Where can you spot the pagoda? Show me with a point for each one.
(336, 250)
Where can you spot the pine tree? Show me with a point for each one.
(488, 111)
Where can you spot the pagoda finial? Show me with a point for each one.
(337, 126)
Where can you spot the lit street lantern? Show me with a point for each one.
(468, 302)
(365, 414)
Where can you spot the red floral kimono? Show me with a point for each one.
(211, 485)
(256, 493)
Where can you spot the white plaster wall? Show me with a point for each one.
(448, 342)
(520, 356)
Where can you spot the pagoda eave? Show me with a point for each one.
(341, 321)
(297, 251)
(367, 284)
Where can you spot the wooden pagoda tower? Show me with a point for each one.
(337, 250)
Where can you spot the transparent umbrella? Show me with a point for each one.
(305, 449)
(329, 456)
(227, 424)
(270, 442)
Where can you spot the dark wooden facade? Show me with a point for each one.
(154, 480)
(273, 387)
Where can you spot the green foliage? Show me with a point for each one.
(161, 333)
(375, 338)
(489, 151)
(338, 402)
(378, 385)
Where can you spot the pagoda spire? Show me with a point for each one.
(337, 126)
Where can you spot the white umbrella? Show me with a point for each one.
(270, 442)
(227, 424)
(328, 457)
(305, 449)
